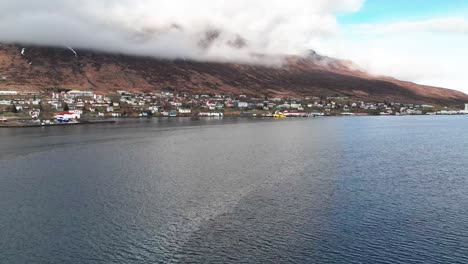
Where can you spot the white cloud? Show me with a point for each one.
(431, 52)
(173, 28)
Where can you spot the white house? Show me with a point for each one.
(8, 93)
(464, 112)
(296, 106)
(176, 104)
(183, 111)
(78, 93)
(242, 105)
(67, 115)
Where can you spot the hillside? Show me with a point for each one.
(38, 68)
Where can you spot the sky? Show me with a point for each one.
(388, 11)
(421, 41)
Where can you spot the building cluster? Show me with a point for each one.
(75, 104)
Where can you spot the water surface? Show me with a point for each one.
(324, 190)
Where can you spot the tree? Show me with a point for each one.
(66, 108)
(13, 109)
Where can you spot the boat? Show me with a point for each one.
(279, 114)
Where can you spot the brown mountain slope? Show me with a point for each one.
(37, 68)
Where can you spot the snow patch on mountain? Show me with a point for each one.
(74, 52)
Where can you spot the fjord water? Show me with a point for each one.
(330, 190)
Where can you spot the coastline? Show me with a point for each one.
(115, 121)
(59, 125)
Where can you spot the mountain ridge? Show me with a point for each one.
(38, 68)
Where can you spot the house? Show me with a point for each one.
(229, 104)
(8, 93)
(296, 106)
(56, 104)
(67, 116)
(210, 104)
(5, 102)
(98, 96)
(78, 93)
(121, 92)
(220, 106)
(242, 105)
(176, 104)
(183, 111)
(284, 106)
(466, 109)
(35, 113)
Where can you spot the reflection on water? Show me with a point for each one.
(331, 190)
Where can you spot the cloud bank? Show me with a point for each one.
(205, 29)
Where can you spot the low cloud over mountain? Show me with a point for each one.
(174, 28)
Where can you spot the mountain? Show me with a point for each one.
(39, 68)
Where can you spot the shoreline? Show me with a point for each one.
(60, 125)
(97, 122)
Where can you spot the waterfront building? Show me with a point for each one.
(67, 116)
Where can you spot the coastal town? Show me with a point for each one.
(76, 106)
